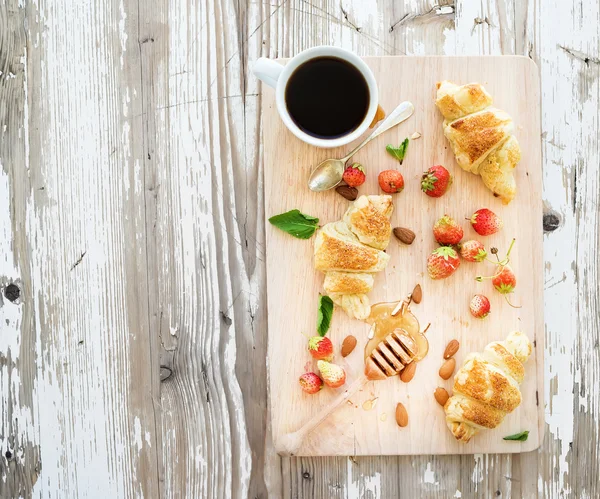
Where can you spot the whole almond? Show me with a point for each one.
(441, 395)
(447, 368)
(401, 415)
(451, 349)
(348, 345)
(408, 372)
(405, 235)
(350, 193)
(417, 294)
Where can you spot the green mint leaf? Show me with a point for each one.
(521, 437)
(398, 152)
(325, 314)
(295, 223)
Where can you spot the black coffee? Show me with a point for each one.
(327, 97)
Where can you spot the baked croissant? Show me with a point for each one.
(350, 252)
(481, 136)
(486, 387)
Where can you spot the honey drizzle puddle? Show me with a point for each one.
(370, 404)
(384, 323)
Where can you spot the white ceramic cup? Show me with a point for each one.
(275, 75)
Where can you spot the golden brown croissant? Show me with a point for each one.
(350, 251)
(486, 387)
(481, 136)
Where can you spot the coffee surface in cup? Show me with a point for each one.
(327, 97)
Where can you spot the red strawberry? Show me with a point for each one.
(442, 262)
(435, 181)
(320, 348)
(310, 383)
(479, 306)
(447, 231)
(333, 375)
(486, 222)
(391, 181)
(505, 281)
(473, 251)
(354, 175)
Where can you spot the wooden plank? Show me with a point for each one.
(80, 198)
(514, 84)
(19, 432)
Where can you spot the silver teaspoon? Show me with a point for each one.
(329, 173)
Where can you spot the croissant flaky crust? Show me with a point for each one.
(349, 251)
(486, 387)
(482, 137)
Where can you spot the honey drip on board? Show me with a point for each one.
(385, 323)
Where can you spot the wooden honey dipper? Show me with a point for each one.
(391, 355)
(388, 358)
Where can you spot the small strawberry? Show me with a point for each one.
(447, 231)
(310, 383)
(333, 375)
(435, 181)
(391, 181)
(354, 175)
(320, 348)
(505, 281)
(486, 222)
(479, 306)
(473, 251)
(442, 262)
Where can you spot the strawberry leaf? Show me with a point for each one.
(428, 182)
(481, 255)
(520, 437)
(295, 223)
(324, 314)
(398, 152)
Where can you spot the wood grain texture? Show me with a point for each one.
(349, 430)
(64, 107)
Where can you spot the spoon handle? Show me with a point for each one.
(397, 116)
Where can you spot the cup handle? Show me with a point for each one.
(267, 71)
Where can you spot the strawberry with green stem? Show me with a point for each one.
(504, 280)
(321, 348)
(442, 263)
(472, 251)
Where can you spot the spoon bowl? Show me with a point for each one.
(329, 173)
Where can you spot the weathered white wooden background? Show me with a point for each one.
(131, 219)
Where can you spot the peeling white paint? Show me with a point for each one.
(122, 32)
(137, 434)
(429, 475)
(478, 470)
(358, 486)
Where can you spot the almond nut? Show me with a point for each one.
(441, 395)
(408, 372)
(348, 345)
(451, 349)
(350, 193)
(405, 235)
(417, 294)
(447, 368)
(401, 415)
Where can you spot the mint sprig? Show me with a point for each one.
(398, 152)
(324, 315)
(296, 223)
(521, 437)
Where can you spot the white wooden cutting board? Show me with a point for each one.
(293, 286)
